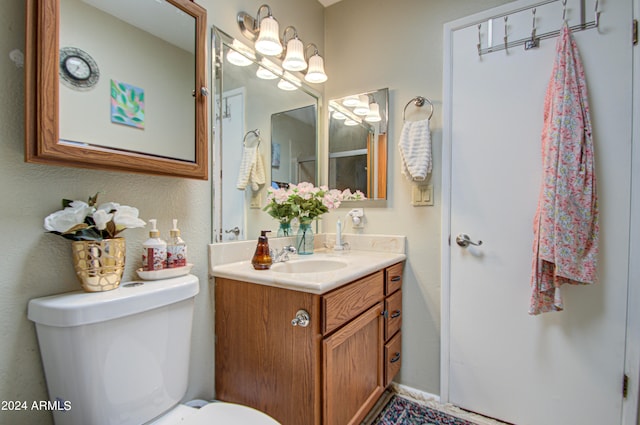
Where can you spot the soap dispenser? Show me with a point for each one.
(154, 253)
(262, 258)
(176, 248)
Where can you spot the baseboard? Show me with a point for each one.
(413, 393)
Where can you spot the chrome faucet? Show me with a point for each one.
(280, 256)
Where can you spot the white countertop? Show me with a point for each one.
(368, 254)
(359, 264)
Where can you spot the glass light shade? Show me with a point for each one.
(294, 60)
(268, 70)
(268, 42)
(350, 122)
(374, 113)
(316, 74)
(351, 101)
(292, 83)
(363, 105)
(339, 115)
(240, 55)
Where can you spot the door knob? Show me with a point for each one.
(235, 231)
(464, 241)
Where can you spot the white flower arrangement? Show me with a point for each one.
(83, 221)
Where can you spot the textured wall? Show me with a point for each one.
(35, 263)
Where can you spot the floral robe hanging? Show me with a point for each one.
(565, 247)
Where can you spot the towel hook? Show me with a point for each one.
(564, 10)
(256, 133)
(479, 40)
(419, 102)
(506, 38)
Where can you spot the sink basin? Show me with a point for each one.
(308, 266)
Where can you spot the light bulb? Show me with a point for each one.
(294, 60)
(374, 113)
(268, 42)
(316, 73)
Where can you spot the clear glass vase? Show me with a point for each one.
(284, 229)
(304, 239)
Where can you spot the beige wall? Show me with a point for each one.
(35, 264)
(408, 40)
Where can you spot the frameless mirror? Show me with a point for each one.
(258, 111)
(118, 85)
(358, 143)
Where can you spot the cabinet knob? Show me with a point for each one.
(302, 319)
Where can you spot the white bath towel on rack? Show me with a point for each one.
(257, 177)
(247, 164)
(415, 150)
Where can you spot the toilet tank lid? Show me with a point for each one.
(82, 308)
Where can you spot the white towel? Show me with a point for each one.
(257, 176)
(415, 150)
(247, 164)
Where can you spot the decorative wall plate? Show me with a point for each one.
(78, 70)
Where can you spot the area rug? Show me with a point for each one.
(400, 411)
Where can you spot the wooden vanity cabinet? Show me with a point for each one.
(330, 372)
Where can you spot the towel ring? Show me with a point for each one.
(419, 102)
(256, 133)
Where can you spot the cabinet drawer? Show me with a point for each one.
(393, 278)
(393, 320)
(392, 358)
(343, 304)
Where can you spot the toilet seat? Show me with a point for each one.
(222, 413)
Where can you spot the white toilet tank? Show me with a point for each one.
(116, 357)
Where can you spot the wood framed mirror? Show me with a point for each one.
(185, 152)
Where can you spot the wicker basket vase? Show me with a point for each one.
(99, 264)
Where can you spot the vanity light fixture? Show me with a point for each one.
(374, 113)
(315, 73)
(362, 108)
(265, 31)
(239, 54)
(294, 59)
(268, 70)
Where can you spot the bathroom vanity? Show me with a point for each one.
(321, 353)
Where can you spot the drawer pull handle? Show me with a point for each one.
(395, 314)
(396, 278)
(302, 319)
(395, 358)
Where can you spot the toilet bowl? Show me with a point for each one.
(216, 413)
(122, 356)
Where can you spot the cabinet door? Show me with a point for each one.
(353, 361)
(262, 361)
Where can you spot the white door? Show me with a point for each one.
(561, 368)
(230, 222)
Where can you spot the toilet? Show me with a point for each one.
(122, 357)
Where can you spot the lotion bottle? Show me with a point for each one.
(262, 258)
(176, 248)
(154, 253)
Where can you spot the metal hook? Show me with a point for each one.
(505, 32)
(479, 40)
(564, 10)
(533, 24)
(597, 17)
(533, 41)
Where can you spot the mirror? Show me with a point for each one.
(358, 143)
(117, 85)
(247, 106)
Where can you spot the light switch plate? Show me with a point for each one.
(256, 200)
(422, 195)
